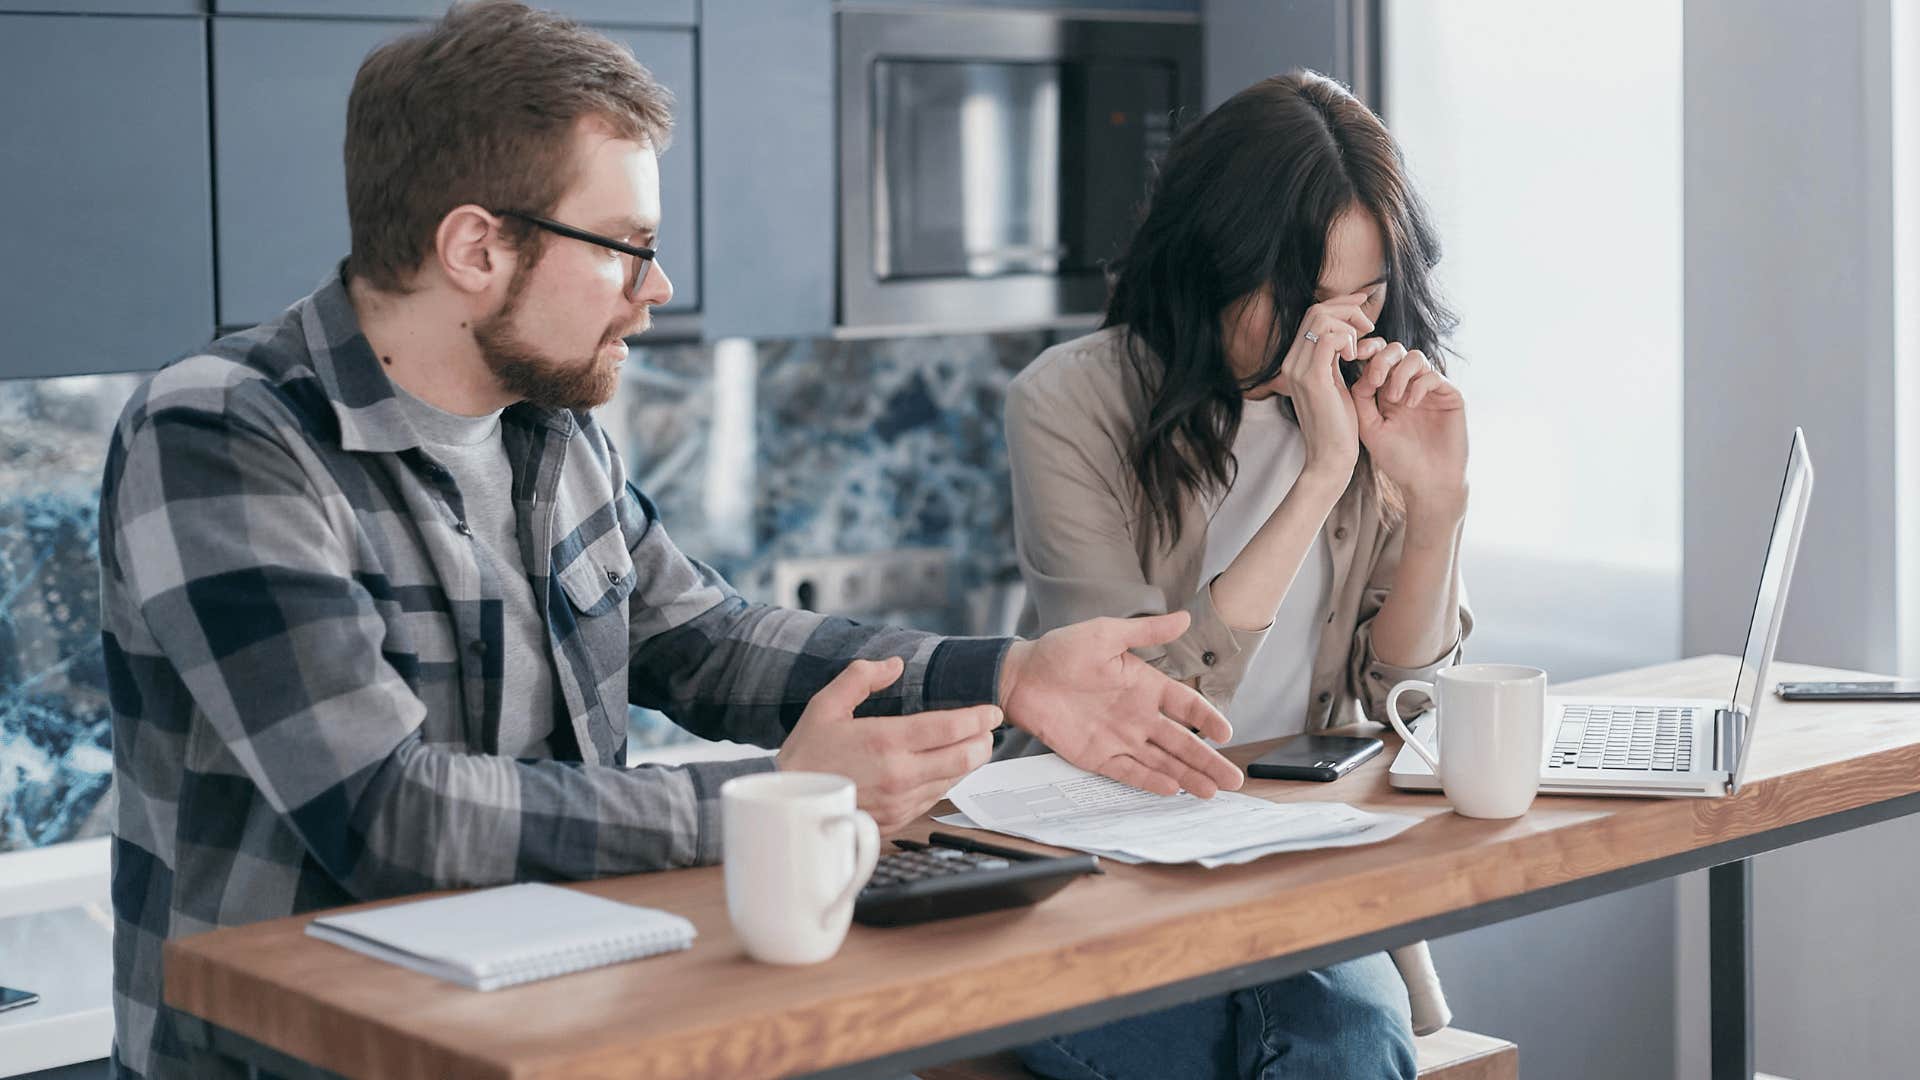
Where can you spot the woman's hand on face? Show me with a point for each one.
(1310, 375)
(1413, 421)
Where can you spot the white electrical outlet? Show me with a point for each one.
(909, 579)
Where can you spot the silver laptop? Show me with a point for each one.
(1650, 746)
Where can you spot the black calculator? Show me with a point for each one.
(954, 876)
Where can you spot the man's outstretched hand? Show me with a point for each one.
(1079, 690)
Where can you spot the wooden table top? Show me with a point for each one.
(712, 1012)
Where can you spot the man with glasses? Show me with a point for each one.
(377, 592)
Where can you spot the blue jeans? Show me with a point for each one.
(1350, 1021)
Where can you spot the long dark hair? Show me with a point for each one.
(1245, 199)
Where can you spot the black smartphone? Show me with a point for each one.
(1878, 690)
(1313, 757)
(14, 999)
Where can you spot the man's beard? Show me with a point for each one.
(529, 375)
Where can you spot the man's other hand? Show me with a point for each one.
(900, 765)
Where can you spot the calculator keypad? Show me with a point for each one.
(902, 867)
(936, 882)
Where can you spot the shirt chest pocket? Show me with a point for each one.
(599, 579)
(592, 626)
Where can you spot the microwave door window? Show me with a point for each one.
(967, 171)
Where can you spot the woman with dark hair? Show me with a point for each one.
(1261, 433)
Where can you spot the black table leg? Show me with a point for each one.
(1730, 961)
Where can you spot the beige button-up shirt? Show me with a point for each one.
(1072, 417)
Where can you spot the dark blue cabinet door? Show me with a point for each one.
(769, 160)
(279, 116)
(108, 7)
(767, 182)
(612, 12)
(1070, 6)
(1249, 40)
(106, 264)
(279, 103)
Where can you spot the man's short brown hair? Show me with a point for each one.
(480, 108)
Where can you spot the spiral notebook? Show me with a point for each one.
(513, 934)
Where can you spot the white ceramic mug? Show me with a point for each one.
(796, 853)
(1492, 719)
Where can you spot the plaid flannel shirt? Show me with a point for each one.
(304, 654)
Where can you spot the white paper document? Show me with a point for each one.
(1046, 799)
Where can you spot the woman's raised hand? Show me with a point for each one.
(1332, 330)
(1413, 421)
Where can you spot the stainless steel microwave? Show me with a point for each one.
(992, 161)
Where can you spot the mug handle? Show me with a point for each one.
(866, 853)
(1393, 717)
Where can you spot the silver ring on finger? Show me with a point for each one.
(1312, 338)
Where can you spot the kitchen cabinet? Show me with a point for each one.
(767, 167)
(279, 105)
(108, 7)
(606, 12)
(1248, 40)
(108, 263)
(1128, 6)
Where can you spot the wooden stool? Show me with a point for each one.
(1451, 1054)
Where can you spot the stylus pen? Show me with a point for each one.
(984, 848)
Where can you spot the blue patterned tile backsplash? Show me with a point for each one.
(56, 763)
(845, 447)
(753, 452)
(859, 447)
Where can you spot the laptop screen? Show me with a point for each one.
(1763, 629)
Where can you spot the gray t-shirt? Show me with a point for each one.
(470, 447)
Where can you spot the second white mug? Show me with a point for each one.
(1492, 720)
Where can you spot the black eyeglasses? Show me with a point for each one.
(642, 256)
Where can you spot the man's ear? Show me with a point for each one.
(470, 249)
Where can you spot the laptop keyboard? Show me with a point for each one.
(1644, 738)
